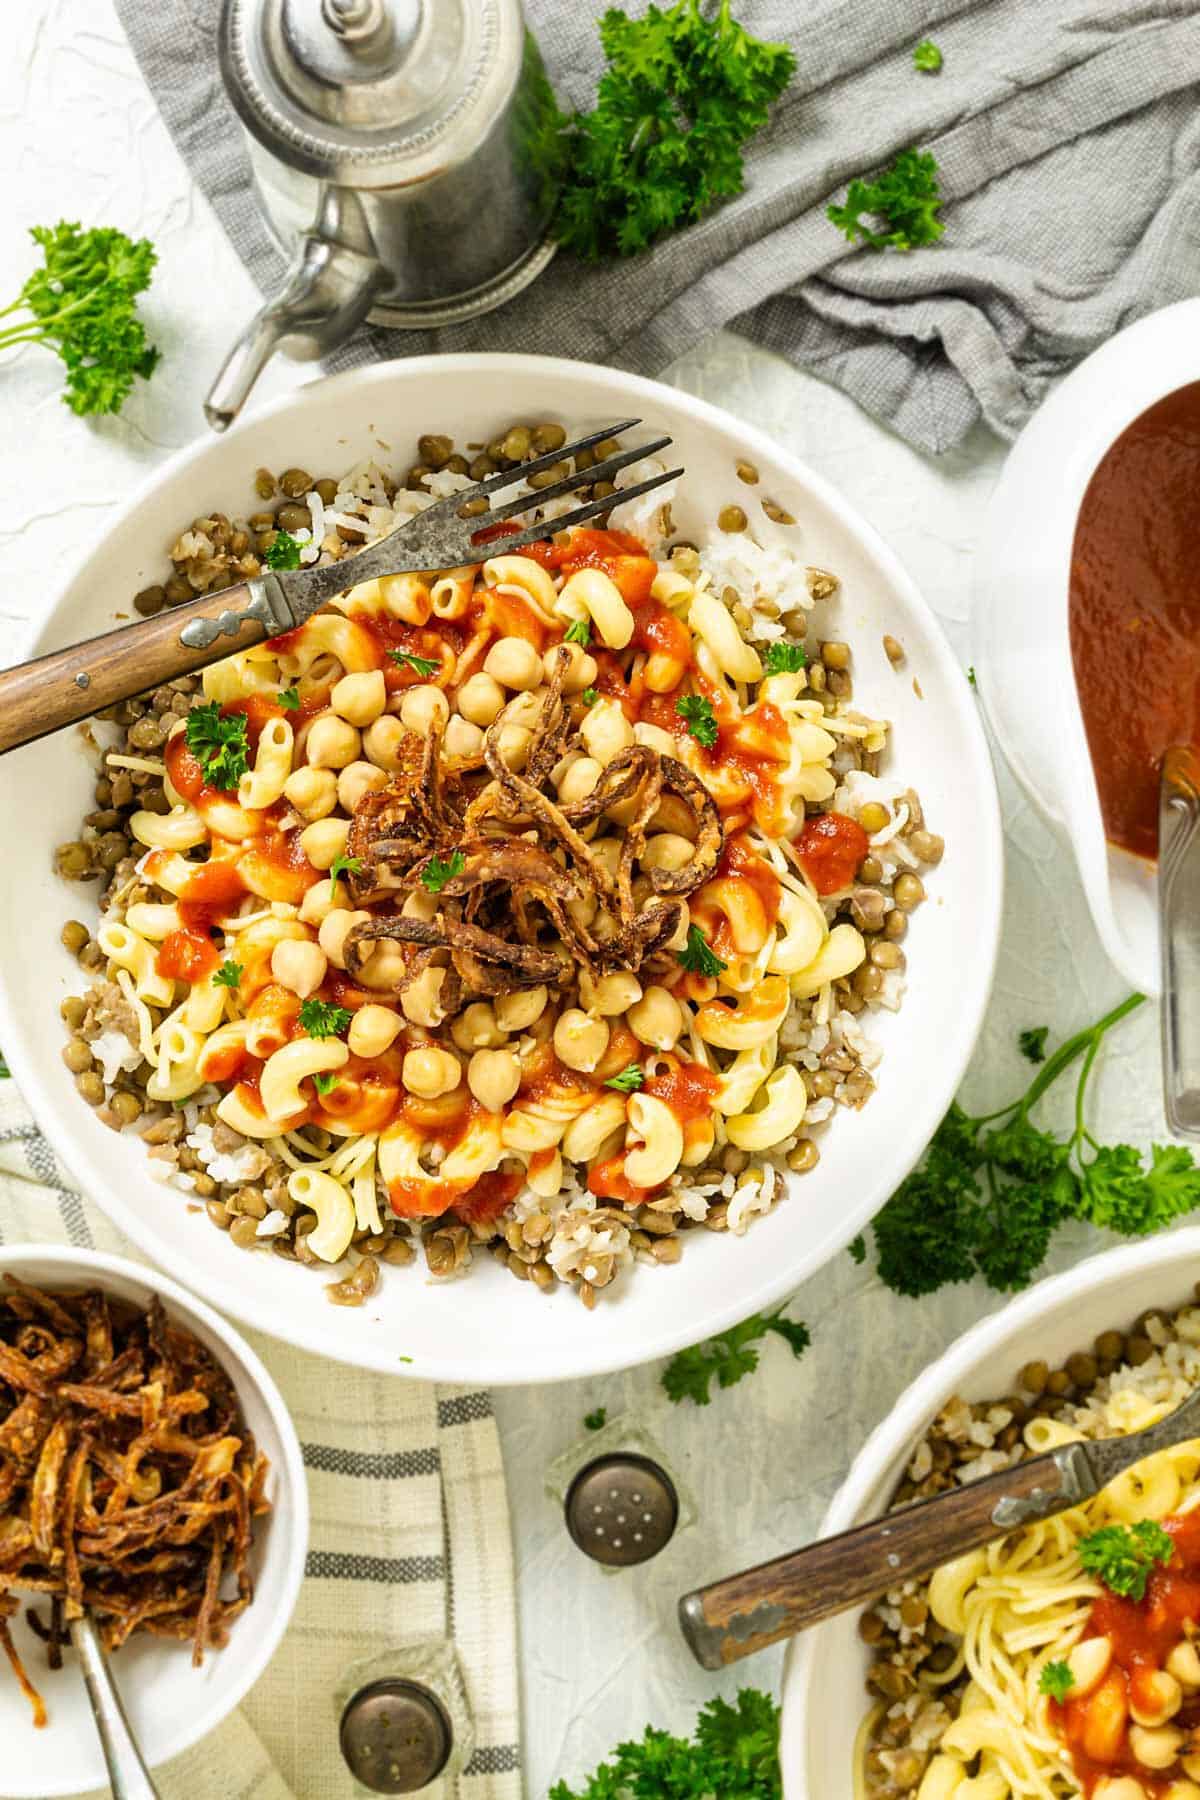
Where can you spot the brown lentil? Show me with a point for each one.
(778, 514)
(907, 892)
(731, 518)
(293, 518)
(893, 649)
(294, 483)
(747, 472)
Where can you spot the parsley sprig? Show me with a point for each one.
(321, 1020)
(283, 552)
(82, 303)
(343, 865)
(324, 1082)
(595, 1421)
(904, 199)
(701, 722)
(1032, 1043)
(1122, 1556)
(218, 742)
(288, 698)
(728, 1356)
(733, 1755)
(424, 666)
(590, 696)
(681, 96)
(437, 873)
(629, 1080)
(1056, 1680)
(927, 57)
(697, 956)
(993, 1189)
(228, 975)
(784, 659)
(579, 631)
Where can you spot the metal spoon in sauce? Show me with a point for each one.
(127, 1773)
(1179, 935)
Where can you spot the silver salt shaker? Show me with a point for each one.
(405, 158)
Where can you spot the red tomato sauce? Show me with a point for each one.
(608, 1182)
(212, 892)
(831, 848)
(618, 553)
(740, 862)
(446, 1123)
(1135, 612)
(688, 1089)
(1142, 1633)
(186, 956)
(441, 645)
(492, 1194)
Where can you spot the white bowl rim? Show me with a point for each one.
(260, 1647)
(603, 1355)
(918, 1405)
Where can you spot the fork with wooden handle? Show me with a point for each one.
(56, 690)
(743, 1613)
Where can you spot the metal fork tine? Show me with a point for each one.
(506, 477)
(584, 478)
(533, 533)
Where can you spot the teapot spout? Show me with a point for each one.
(329, 291)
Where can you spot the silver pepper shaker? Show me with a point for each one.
(404, 155)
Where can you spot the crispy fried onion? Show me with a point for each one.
(128, 1478)
(522, 897)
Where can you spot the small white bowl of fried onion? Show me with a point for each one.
(171, 1701)
(937, 1689)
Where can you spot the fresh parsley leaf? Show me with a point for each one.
(324, 1083)
(437, 873)
(971, 676)
(1032, 1042)
(321, 1020)
(228, 975)
(594, 1420)
(283, 552)
(589, 696)
(728, 1356)
(680, 97)
(82, 303)
(5, 1071)
(699, 715)
(629, 1080)
(784, 659)
(218, 742)
(858, 1248)
(288, 698)
(343, 865)
(904, 199)
(733, 1755)
(696, 955)
(579, 631)
(1122, 1556)
(404, 1359)
(1056, 1680)
(992, 1191)
(424, 666)
(927, 57)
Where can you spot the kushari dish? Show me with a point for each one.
(539, 905)
(129, 1483)
(1063, 1660)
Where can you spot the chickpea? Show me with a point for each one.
(656, 1019)
(581, 670)
(1184, 1664)
(653, 737)
(430, 1072)
(386, 968)
(578, 780)
(331, 743)
(518, 1011)
(313, 792)
(514, 745)
(514, 663)
(359, 698)
(525, 708)
(1155, 1749)
(480, 699)
(611, 995)
(1089, 1663)
(298, 965)
(373, 1029)
(334, 928)
(420, 904)
(421, 705)
(321, 899)
(421, 1001)
(476, 1028)
(356, 781)
(381, 742)
(606, 731)
(1154, 1698)
(667, 851)
(462, 738)
(324, 840)
(580, 1041)
(493, 1076)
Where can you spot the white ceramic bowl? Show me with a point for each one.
(1022, 630)
(485, 1328)
(170, 1704)
(823, 1695)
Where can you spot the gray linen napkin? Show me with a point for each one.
(1068, 137)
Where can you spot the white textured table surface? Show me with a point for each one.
(80, 137)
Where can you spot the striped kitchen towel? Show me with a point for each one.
(410, 1541)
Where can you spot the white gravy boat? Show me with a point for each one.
(1022, 591)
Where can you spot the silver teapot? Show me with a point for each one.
(404, 152)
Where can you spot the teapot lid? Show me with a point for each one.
(370, 92)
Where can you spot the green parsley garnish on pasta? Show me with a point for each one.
(1122, 1556)
(784, 659)
(424, 666)
(228, 975)
(697, 956)
(1056, 1680)
(437, 873)
(579, 631)
(629, 1080)
(288, 698)
(219, 743)
(324, 1083)
(283, 552)
(342, 865)
(701, 722)
(321, 1020)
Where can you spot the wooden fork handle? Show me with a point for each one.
(746, 1612)
(56, 690)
